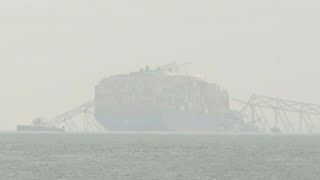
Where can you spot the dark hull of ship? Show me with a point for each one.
(171, 121)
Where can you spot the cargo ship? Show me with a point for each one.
(164, 99)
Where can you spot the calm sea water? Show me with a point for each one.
(143, 156)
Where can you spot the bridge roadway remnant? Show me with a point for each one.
(280, 115)
(267, 114)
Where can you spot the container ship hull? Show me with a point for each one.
(159, 100)
(171, 121)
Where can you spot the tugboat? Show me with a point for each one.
(39, 125)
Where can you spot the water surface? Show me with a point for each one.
(159, 156)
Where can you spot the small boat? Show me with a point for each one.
(39, 125)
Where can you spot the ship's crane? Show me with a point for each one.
(173, 67)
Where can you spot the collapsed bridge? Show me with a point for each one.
(267, 114)
(270, 114)
(164, 99)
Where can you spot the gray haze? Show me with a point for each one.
(53, 52)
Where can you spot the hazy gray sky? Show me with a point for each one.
(53, 52)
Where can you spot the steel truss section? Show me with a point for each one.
(78, 119)
(286, 116)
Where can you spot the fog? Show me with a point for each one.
(54, 52)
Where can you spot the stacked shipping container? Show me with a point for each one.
(145, 100)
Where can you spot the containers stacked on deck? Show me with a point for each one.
(160, 100)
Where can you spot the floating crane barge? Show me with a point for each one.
(38, 125)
